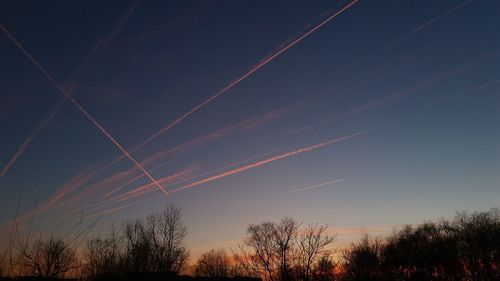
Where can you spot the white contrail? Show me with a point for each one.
(312, 187)
(265, 61)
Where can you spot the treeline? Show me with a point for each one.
(466, 247)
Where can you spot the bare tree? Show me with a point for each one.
(285, 234)
(167, 235)
(247, 263)
(214, 264)
(102, 256)
(311, 247)
(261, 239)
(269, 249)
(49, 259)
(137, 247)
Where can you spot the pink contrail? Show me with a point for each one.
(313, 186)
(25, 145)
(146, 188)
(266, 161)
(246, 75)
(176, 181)
(131, 175)
(222, 168)
(70, 86)
(120, 187)
(80, 108)
(485, 85)
(80, 188)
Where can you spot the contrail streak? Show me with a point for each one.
(80, 108)
(312, 186)
(409, 90)
(222, 168)
(106, 196)
(430, 22)
(485, 85)
(266, 161)
(27, 142)
(108, 211)
(120, 187)
(417, 29)
(117, 28)
(246, 75)
(75, 75)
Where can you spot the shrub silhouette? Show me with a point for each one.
(214, 264)
(48, 259)
(466, 248)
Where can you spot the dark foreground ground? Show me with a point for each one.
(140, 277)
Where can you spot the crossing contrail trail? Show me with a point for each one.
(81, 109)
(266, 161)
(261, 64)
(70, 86)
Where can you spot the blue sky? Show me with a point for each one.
(416, 81)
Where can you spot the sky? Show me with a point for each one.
(363, 115)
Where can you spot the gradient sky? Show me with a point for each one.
(389, 113)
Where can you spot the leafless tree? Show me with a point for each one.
(102, 256)
(261, 239)
(214, 264)
(167, 235)
(246, 263)
(283, 251)
(285, 235)
(137, 247)
(311, 247)
(49, 259)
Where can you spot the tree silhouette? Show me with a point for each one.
(324, 269)
(363, 261)
(479, 235)
(137, 247)
(311, 245)
(48, 259)
(103, 256)
(214, 264)
(283, 251)
(167, 233)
